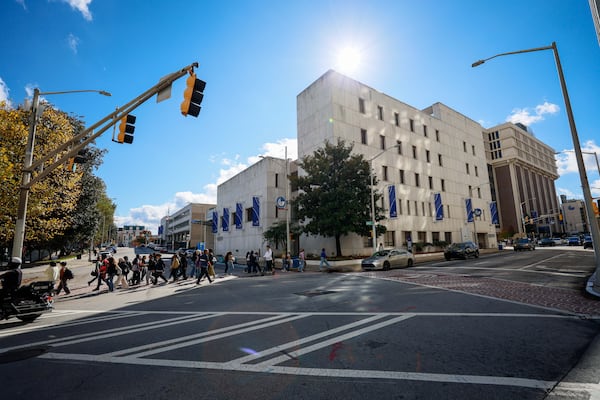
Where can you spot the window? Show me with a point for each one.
(382, 142)
(407, 207)
(401, 176)
(389, 239)
(363, 136)
(473, 149)
(465, 147)
(248, 214)
(437, 135)
(431, 182)
(422, 236)
(423, 208)
(441, 164)
(467, 168)
(427, 156)
(397, 119)
(479, 192)
(416, 209)
(384, 173)
(417, 182)
(276, 180)
(412, 125)
(425, 130)
(399, 146)
(399, 206)
(476, 171)
(361, 105)
(414, 150)
(380, 112)
(443, 185)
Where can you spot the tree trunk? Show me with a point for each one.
(338, 246)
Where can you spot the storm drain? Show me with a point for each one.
(22, 354)
(313, 293)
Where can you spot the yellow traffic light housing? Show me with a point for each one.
(192, 96)
(126, 129)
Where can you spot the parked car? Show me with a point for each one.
(524, 244)
(587, 242)
(462, 250)
(386, 259)
(546, 242)
(573, 241)
(559, 241)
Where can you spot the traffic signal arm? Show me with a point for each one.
(78, 142)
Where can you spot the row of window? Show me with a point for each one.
(389, 238)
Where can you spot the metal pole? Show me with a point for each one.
(287, 200)
(17, 250)
(374, 231)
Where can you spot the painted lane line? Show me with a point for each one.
(316, 372)
(540, 262)
(164, 343)
(164, 349)
(295, 343)
(337, 339)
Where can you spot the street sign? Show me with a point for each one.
(369, 223)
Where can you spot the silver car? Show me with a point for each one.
(386, 259)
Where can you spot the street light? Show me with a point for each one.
(593, 286)
(19, 237)
(374, 230)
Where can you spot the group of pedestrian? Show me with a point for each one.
(61, 275)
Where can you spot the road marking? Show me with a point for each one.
(540, 262)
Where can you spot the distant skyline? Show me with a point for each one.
(257, 56)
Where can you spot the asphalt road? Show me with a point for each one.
(397, 334)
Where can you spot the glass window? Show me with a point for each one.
(361, 105)
(380, 112)
(412, 125)
(382, 142)
(363, 136)
(397, 119)
(401, 176)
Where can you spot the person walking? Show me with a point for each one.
(174, 270)
(195, 264)
(159, 269)
(121, 276)
(144, 270)
(203, 264)
(52, 273)
(229, 262)
(301, 260)
(135, 269)
(64, 275)
(183, 264)
(323, 260)
(286, 262)
(111, 272)
(211, 264)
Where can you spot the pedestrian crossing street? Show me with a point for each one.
(288, 343)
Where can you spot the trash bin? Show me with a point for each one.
(79, 256)
(295, 263)
(500, 246)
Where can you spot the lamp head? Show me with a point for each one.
(477, 63)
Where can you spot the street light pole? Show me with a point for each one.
(593, 286)
(523, 214)
(287, 200)
(17, 249)
(373, 222)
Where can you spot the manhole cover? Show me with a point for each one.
(22, 354)
(313, 293)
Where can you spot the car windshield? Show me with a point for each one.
(381, 253)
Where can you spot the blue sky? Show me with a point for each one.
(257, 56)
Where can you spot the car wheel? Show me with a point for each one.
(447, 258)
(476, 254)
(386, 266)
(516, 249)
(409, 263)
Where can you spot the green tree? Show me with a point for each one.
(335, 194)
(276, 234)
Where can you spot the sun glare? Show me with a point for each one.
(348, 60)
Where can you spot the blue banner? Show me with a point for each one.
(215, 222)
(439, 207)
(469, 206)
(255, 211)
(494, 212)
(225, 220)
(392, 197)
(160, 230)
(239, 212)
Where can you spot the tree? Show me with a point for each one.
(335, 194)
(276, 234)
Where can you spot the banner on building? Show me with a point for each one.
(225, 220)
(239, 212)
(392, 198)
(469, 206)
(215, 222)
(494, 212)
(255, 211)
(439, 207)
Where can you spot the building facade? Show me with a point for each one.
(188, 227)
(127, 235)
(522, 172)
(575, 219)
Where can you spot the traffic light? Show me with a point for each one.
(192, 96)
(126, 129)
(595, 207)
(73, 161)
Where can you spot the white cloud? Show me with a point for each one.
(567, 163)
(22, 3)
(525, 116)
(4, 93)
(149, 216)
(81, 6)
(73, 42)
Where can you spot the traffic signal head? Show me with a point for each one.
(126, 129)
(192, 96)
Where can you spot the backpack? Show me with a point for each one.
(175, 263)
(68, 274)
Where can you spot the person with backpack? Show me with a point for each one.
(174, 270)
(159, 269)
(65, 275)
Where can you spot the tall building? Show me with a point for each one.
(522, 172)
(188, 227)
(575, 219)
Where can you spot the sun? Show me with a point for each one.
(348, 60)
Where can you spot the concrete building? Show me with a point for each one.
(430, 164)
(522, 172)
(128, 233)
(188, 227)
(247, 206)
(574, 216)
